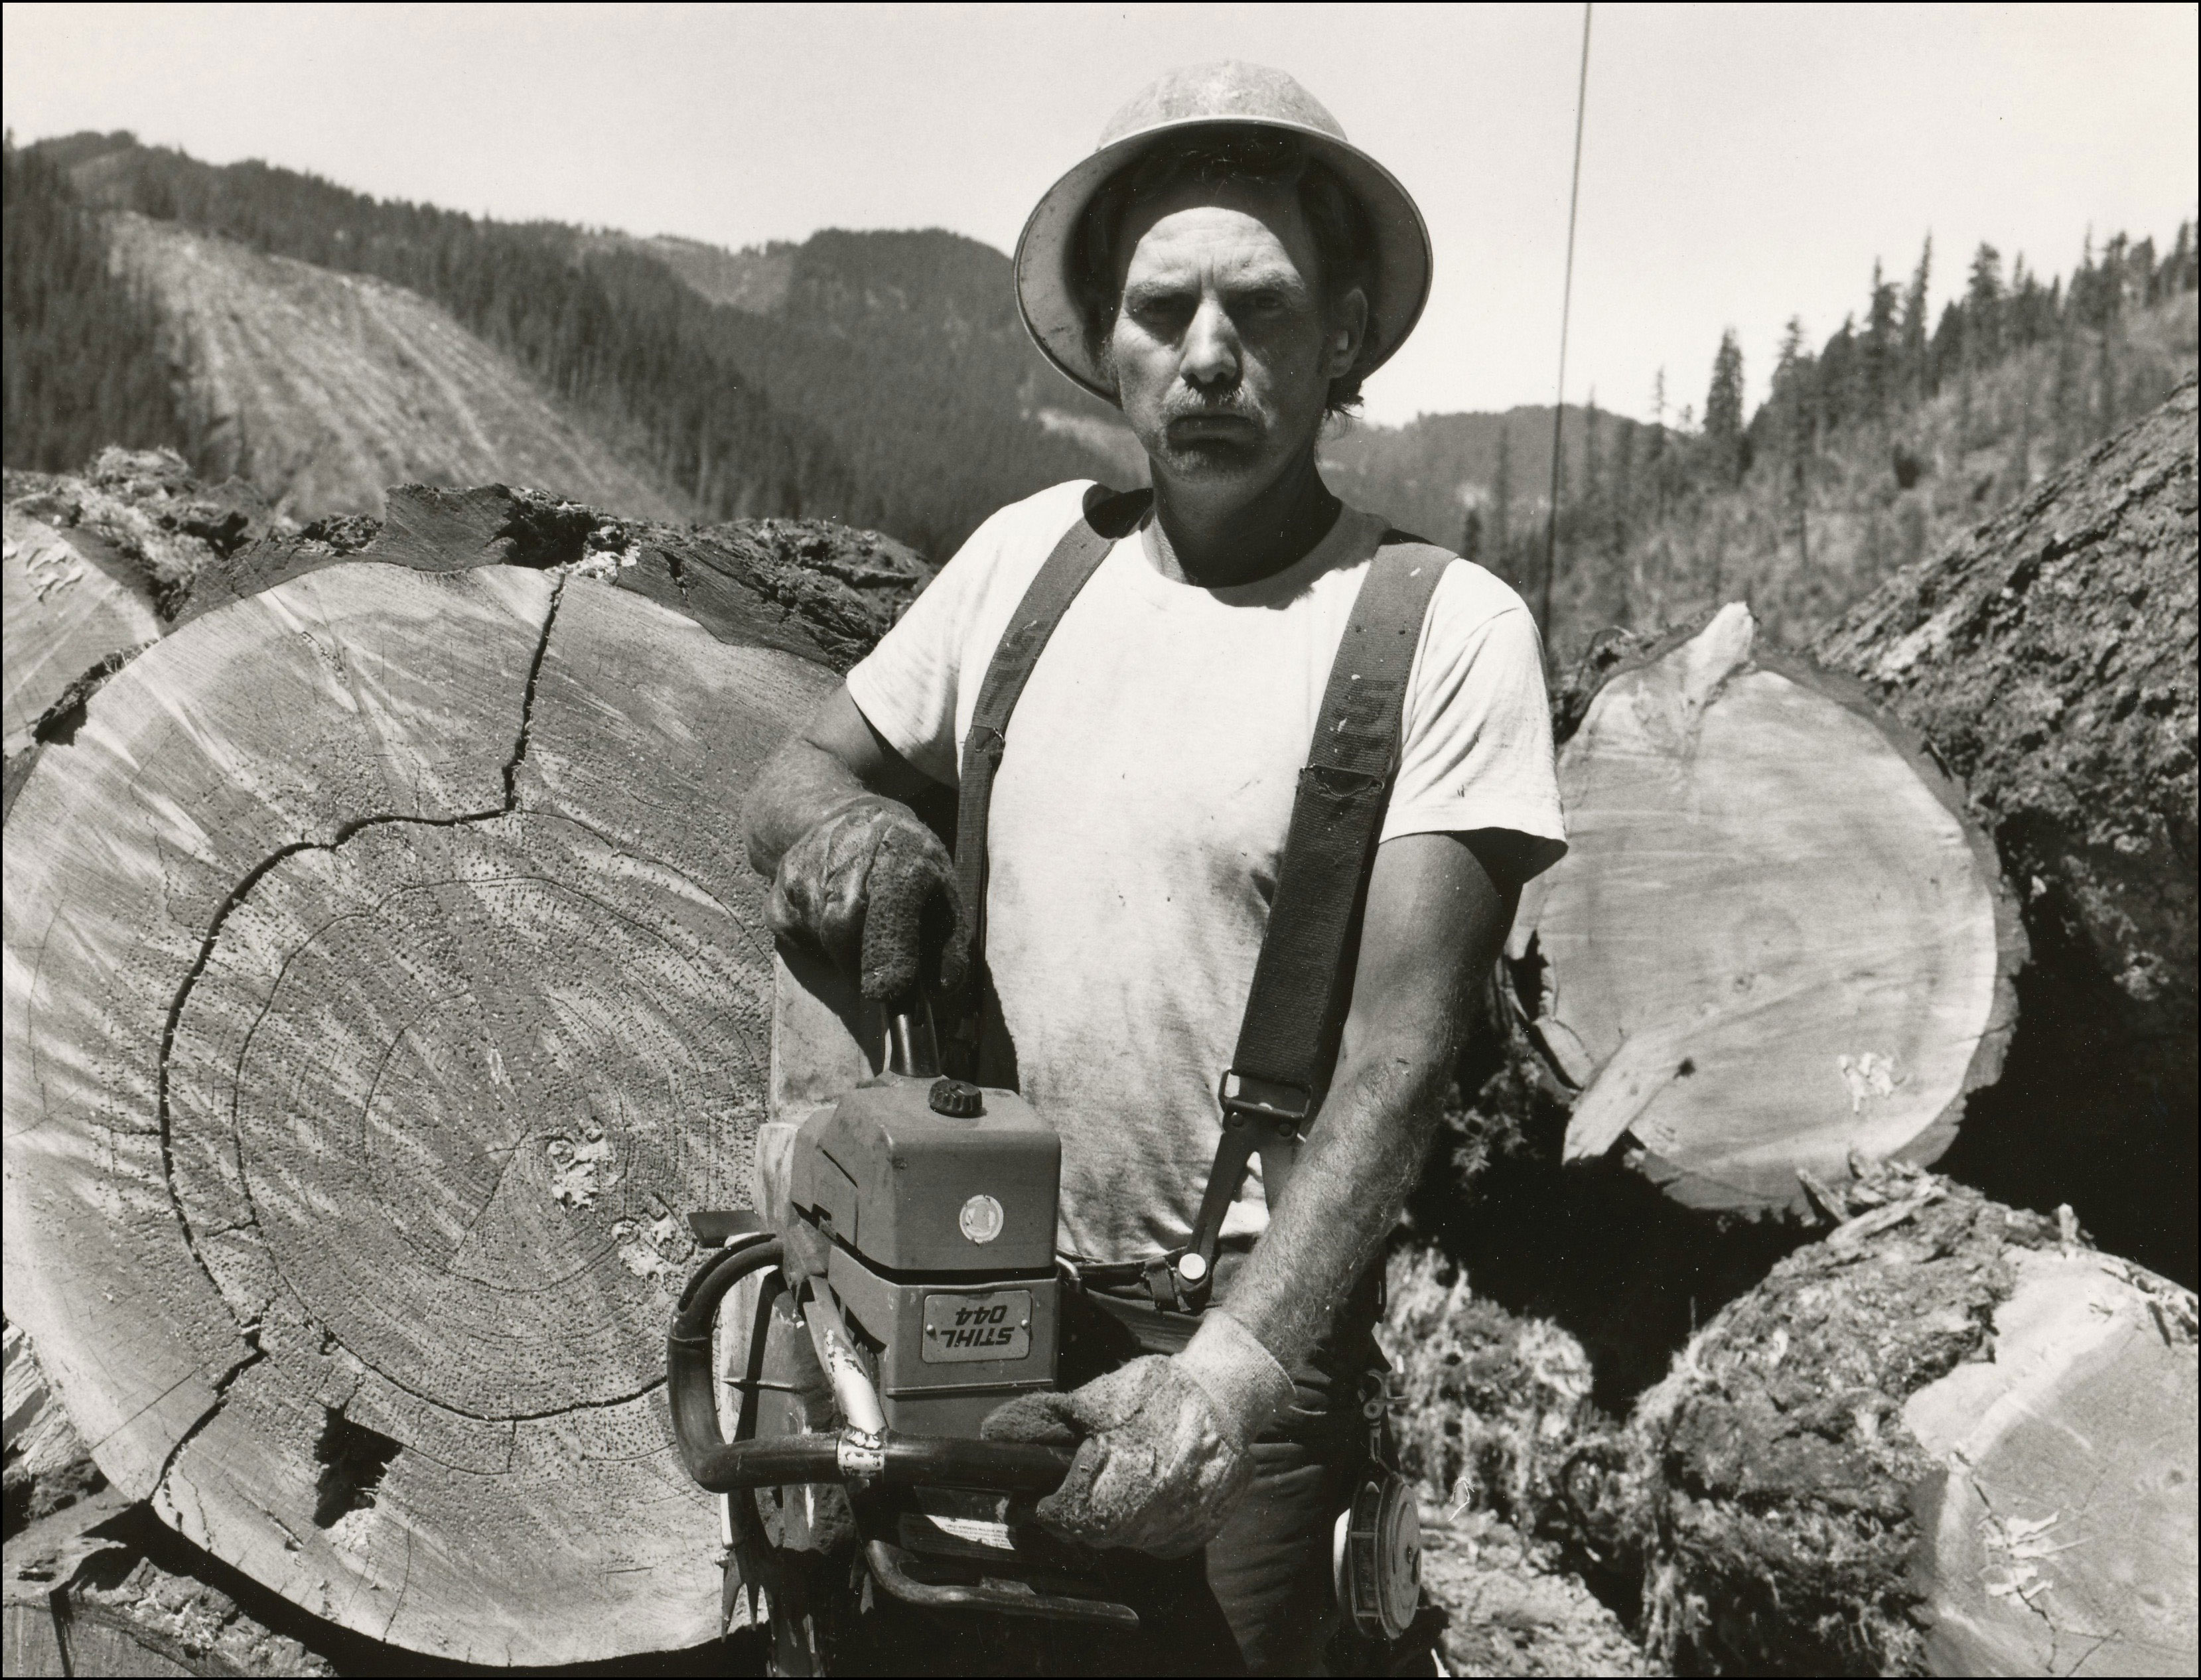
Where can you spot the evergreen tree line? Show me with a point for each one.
(1896, 433)
(80, 357)
(615, 335)
(889, 389)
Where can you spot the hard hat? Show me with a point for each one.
(1225, 95)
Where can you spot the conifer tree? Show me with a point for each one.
(1917, 351)
(1983, 309)
(1501, 498)
(1724, 444)
(1792, 378)
(1471, 537)
(1879, 348)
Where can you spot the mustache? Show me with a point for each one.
(1207, 407)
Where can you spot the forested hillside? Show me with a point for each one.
(324, 389)
(1872, 452)
(883, 378)
(79, 346)
(1475, 481)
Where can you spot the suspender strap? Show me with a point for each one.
(1108, 517)
(1288, 1040)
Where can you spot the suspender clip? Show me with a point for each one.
(1244, 1097)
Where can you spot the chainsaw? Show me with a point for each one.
(930, 1202)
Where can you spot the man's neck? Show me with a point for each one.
(1198, 541)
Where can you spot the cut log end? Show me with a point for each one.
(385, 984)
(1777, 944)
(1948, 1438)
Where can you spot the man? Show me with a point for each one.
(1226, 269)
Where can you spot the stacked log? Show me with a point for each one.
(94, 565)
(1777, 944)
(1951, 1438)
(384, 982)
(1810, 1490)
(2050, 657)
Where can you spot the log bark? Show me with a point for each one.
(1951, 1438)
(1777, 944)
(2049, 658)
(384, 981)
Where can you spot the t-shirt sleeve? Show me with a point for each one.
(1477, 752)
(907, 685)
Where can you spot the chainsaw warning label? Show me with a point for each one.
(996, 1325)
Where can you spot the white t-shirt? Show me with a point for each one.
(1140, 812)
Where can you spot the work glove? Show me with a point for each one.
(1164, 1444)
(872, 887)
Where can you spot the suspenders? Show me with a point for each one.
(1287, 1041)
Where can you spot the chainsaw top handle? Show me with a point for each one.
(863, 1458)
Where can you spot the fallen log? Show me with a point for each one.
(384, 982)
(1777, 941)
(2050, 657)
(1949, 1438)
(65, 611)
(95, 564)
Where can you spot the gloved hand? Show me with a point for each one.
(1164, 1445)
(872, 887)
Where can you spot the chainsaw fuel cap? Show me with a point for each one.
(981, 1220)
(956, 1099)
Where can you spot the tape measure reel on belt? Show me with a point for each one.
(1288, 1040)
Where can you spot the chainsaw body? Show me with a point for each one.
(935, 1202)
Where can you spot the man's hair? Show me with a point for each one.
(1344, 244)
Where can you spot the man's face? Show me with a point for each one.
(1223, 349)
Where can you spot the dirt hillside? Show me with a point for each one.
(321, 388)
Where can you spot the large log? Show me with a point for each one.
(384, 980)
(2050, 657)
(1777, 942)
(1951, 1438)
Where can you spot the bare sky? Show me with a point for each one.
(1741, 164)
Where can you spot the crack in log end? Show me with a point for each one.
(253, 1353)
(58, 724)
(354, 1459)
(527, 701)
(163, 1107)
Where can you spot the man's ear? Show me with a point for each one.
(1348, 331)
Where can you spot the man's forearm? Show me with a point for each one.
(837, 757)
(799, 786)
(1436, 917)
(1351, 1185)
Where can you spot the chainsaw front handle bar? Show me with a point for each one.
(866, 1457)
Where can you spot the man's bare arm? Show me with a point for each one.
(835, 757)
(1437, 914)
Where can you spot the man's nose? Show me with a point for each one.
(1210, 349)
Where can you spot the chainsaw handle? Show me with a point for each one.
(895, 1461)
(898, 1460)
(913, 1044)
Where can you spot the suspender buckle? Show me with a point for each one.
(1285, 1106)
